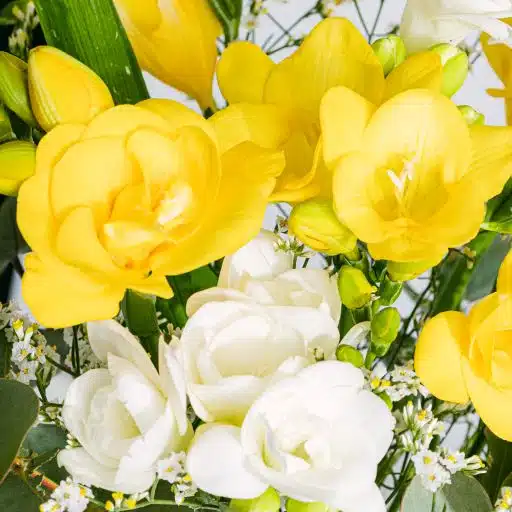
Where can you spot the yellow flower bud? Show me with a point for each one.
(355, 290)
(14, 88)
(349, 354)
(315, 224)
(471, 116)
(269, 501)
(390, 51)
(299, 506)
(385, 327)
(455, 67)
(17, 163)
(63, 90)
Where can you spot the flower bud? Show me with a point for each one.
(14, 89)
(471, 116)
(315, 224)
(63, 90)
(405, 271)
(385, 327)
(299, 506)
(390, 51)
(355, 290)
(389, 291)
(349, 354)
(5, 126)
(269, 501)
(455, 67)
(17, 163)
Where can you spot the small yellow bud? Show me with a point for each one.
(130, 503)
(14, 89)
(390, 51)
(269, 501)
(471, 116)
(355, 290)
(455, 67)
(299, 506)
(17, 163)
(109, 506)
(385, 327)
(63, 90)
(349, 354)
(315, 224)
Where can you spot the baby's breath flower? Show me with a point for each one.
(504, 502)
(68, 497)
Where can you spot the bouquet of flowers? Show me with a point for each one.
(166, 351)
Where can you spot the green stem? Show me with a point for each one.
(61, 367)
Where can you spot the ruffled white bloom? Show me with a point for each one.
(316, 436)
(126, 417)
(429, 22)
(258, 273)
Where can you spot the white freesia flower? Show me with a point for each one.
(126, 417)
(232, 351)
(259, 273)
(429, 22)
(316, 436)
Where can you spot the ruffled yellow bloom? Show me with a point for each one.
(411, 177)
(175, 40)
(138, 193)
(499, 56)
(334, 54)
(463, 358)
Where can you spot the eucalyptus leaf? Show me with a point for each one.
(10, 239)
(500, 464)
(5, 354)
(19, 406)
(464, 494)
(16, 496)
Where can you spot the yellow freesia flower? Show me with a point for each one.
(138, 193)
(335, 53)
(175, 41)
(411, 177)
(461, 358)
(499, 56)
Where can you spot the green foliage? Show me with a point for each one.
(11, 241)
(500, 464)
(229, 13)
(19, 406)
(16, 496)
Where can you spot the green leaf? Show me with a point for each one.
(92, 32)
(185, 285)
(11, 242)
(465, 494)
(229, 14)
(45, 438)
(16, 496)
(19, 406)
(500, 464)
(5, 354)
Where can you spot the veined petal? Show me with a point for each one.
(242, 72)
(334, 53)
(438, 357)
(215, 462)
(344, 116)
(420, 71)
(60, 295)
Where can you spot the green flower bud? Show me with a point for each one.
(315, 224)
(299, 506)
(17, 163)
(390, 51)
(389, 291)
(471, 116)
(355, 290)
(455, 67)
(349, 354)
(269, 501)
(5, 126)
(385, 327)
(14, 87)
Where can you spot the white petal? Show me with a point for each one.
(215, 462)
(370, 500)
(109, 337)
(257, 259)
(332, 374)
(214, 294)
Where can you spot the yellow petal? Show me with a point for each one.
(63, 90)
(491, 166)
(344, 116)
(505, 276)
(493, 405)
(179, 46)
(438, 357)
(176, 115)
(154, 285)
(91, 185)
(61, 296)
(420, 71)
(242, 72)
(267, 126)
(407, 246)
(334, 53)
(499, 57)
(248, 178)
